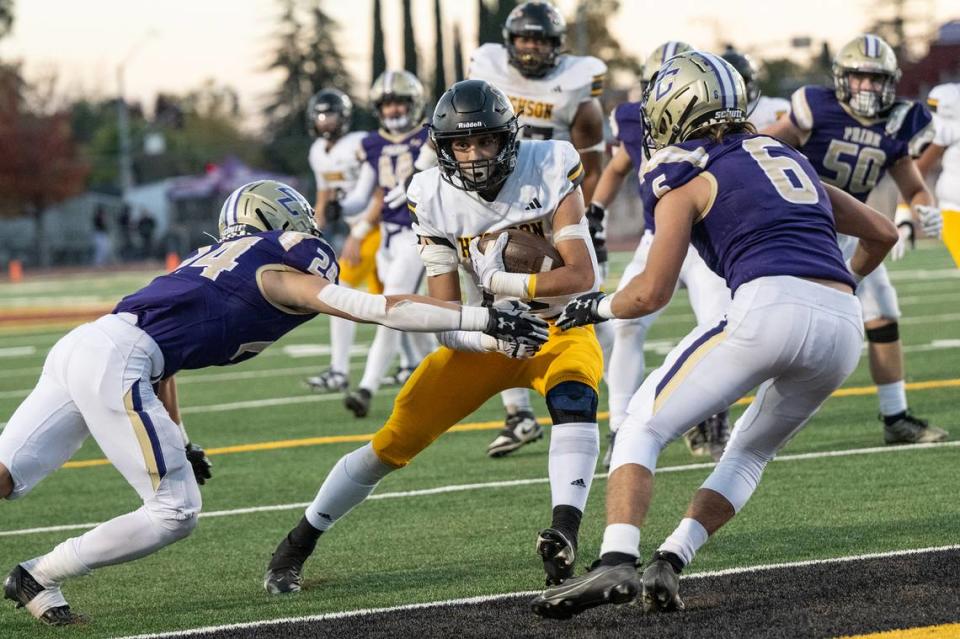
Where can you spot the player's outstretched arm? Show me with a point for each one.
(914, 191)
(359, 197)
(786, 131)
(877, 234)
(586, 135)
(612, 178)
(303, 292)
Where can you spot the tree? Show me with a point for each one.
(6, 17)
(487, 28)
(45, 169)
(458, 73)
(409, 41)
(439, 75)
(379, 57)
(307, 55)
(596, 37)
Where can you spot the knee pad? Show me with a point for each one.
(173, 523)
(570, 402)
(886, 334)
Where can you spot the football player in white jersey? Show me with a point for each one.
(555, 98)
(709, 295)
(944, 101)
(486, 183)
(334, 159)
(764, 110)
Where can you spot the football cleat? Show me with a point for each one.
(607, 456)
(399, 377)
(661, 586)
(46, 604)
(717, 429)
(358, 402)
(602, 585)
(518, 429)
(912, 430)
(696, 440)
(329, 381)
(285, 572)
(559, 553)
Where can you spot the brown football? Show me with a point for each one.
(525, 252)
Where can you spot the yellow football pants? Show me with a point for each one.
(366, 270)
(449, 385)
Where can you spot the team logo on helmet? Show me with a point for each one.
(265, 205)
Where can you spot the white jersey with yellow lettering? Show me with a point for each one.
(337, 166)
(944, 101)
(545, 106)
(447, 218)
(768, 111)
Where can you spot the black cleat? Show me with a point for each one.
(358, 402)
(22, 588)
(602, 585)
(661, 586)
(329, 381)
(519, 429)
(608, 456)
(912, 430)
(399, 377)
(718, 434)
(559, 553)
(285, 572)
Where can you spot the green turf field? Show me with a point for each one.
(404, 548)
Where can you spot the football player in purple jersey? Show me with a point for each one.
(113, 379)
(390, 157)
(853, 134)
(762, 220)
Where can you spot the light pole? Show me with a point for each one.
(123, 117)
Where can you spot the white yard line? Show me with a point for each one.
(528, 593)
(456, 488)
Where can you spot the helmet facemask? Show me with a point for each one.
(867, 103)
(481, 175)
(399, 123)
(533, 62)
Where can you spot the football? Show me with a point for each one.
(525, 252)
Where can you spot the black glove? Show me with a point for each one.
(200, 462)
(332, 212)
(512, 322)
(581, 311)
(598, 232)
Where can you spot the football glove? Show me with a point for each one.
(931, 220)
(200, 462)
(581, 311)
(486, 264)
(512, 322)
(904, 221)
(596, 215)
(332, 212)
(517, 350)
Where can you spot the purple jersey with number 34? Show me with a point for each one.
(770, 214)
(210, 311)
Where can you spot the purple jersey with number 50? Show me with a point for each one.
(392, 158)
(853, 153)
(210, 311)
(770, 215)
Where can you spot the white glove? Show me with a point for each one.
(931, 219)
(905, 232)
(485, 265)
(395, 196)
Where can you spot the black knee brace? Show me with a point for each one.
(885, 334)
(572, 402)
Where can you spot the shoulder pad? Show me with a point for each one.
(575, 71)
(672, 167)
(487, 60)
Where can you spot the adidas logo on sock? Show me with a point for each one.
(534, 204)
(579, 483)
(325, 516)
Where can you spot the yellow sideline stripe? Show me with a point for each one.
(853, 391)
(926, 632)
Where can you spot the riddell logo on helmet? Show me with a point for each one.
(468, 125)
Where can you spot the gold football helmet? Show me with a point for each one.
(693, 91)
(656, 59)
(866, 54)
(400, 86)
(265, 205)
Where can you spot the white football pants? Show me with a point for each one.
(796, 339)
(709, 297)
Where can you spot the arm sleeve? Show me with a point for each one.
(357, 200)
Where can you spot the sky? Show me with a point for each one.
(175, 45)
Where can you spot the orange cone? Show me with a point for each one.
(16, 270)
(173, 261)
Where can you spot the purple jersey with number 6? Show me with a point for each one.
(770, 215)
(210, 311)
(853, 153)
(392, 158)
